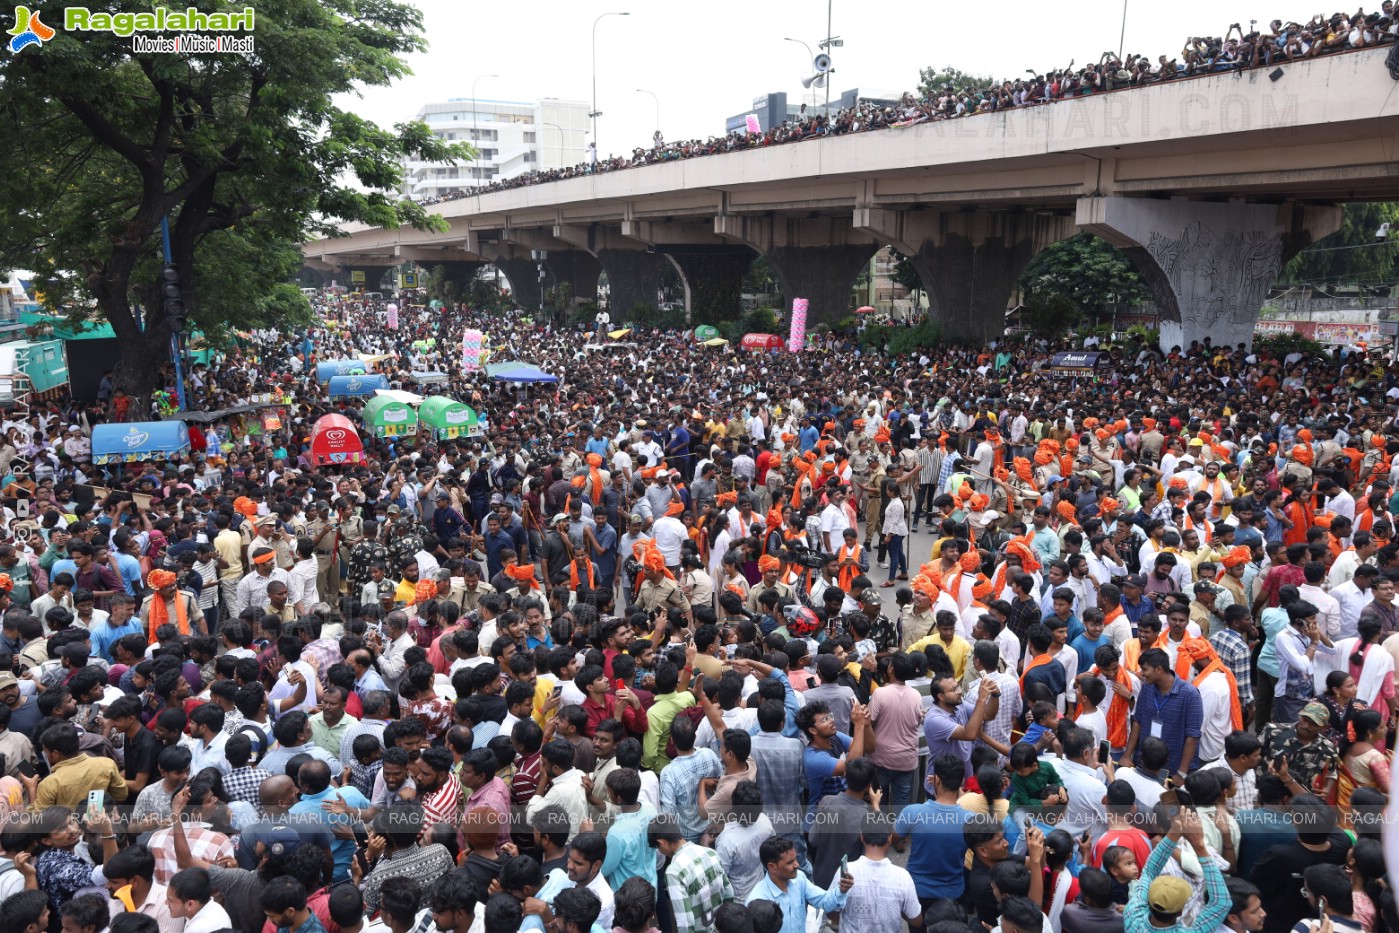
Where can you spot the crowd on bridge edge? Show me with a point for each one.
(1236, 50)
(658, 649)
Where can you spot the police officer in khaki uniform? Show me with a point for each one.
(351, 534)
(321, 529)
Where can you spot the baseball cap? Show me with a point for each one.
(1135, 579)
(1316, 712)
(560, 517)
(441, 574)
(1168, 895)
(394, 510)
(8, 680)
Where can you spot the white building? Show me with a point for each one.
(512, 138)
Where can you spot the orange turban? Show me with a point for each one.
(726, 498)
(649, 472)
(965, 491)
(522, 574)
(424, 590)
(1378, 440)
(1178, 482)
(809, 456)
(1236, 556)
(1109, 504)
(1024, 470)
(160, 579)
(1101, 434)
(1305, 435)
(1149, 424)
(1119, 425)
(787, 437)
(675, 508)
(1071, 444)
(1066, 510)
(654, 561)
(1020, 547)
(828, 426)
(1302, 454)
(1090, 423)
(1042, 457)
(982, 588)
(978, 502)
(578, 481)
(1001, 473)
(859, 424)
(881, 436)
(1197, 649)
(925, 585)
(6, 584)
(1204, 436)
(245, 507)
(828, 466)
(768, 562)
(595, 460)
(931, 572)
(970, 561)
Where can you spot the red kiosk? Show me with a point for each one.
(335, 441)
(761, 342)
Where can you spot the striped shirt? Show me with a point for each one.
(1233, 652)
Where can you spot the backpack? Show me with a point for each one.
(259, 740)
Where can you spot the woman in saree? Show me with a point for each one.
(1372, 669)
(1363, 764)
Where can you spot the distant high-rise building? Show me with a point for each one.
(512, 139)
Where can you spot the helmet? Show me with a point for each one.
(802, 622)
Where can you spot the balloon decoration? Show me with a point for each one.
(393, 317)
(796, 339)
(751, 122)
(471, 350)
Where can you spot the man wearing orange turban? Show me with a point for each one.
(659, 592)
(523, 575)
(1219, 695)
(169, 603)
(771, 569)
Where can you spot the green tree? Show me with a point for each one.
(246, 155)
(1050, 314)
(1352, 255)
(1086, 270)
(931, 80)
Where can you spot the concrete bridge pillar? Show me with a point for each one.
(633, 278)
(460, 272)
(713, 278)
(523, 275)
(578, 270)
(1209, 265)
(817, 258)
(968, 261)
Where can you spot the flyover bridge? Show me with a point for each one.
(1208, 184)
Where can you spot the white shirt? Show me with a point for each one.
(1085, 810)
(670, 533)
(211, 917)
(1095, 722)
(1329, 611)
(884, 896)
(283, 689)
(1342, 569)
(833, 525)
(1351, 599)
(1291, 647)
(211, 754)
(566, 790)
(1215, 722)
(301, 585)
(1342, 504)
(1147, 788)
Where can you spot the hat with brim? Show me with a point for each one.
(1168, 895)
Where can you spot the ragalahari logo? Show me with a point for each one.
(29, 30)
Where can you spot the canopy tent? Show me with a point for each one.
(448, 418)
(334, 440)
(517, 371)
(430, 377)
(140, 440)
(619, 334)
(399, 395)
(328, 369)
(388, 417)
(375, 360)
(760, 342)
(356, 386)
(706, 332)
(864, 309)
(716, 342)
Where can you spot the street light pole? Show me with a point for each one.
(654, 97)
(475, 134)
(561, 146)
(1122, 37)
(596, 113)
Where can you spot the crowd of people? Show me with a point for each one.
(1236, 50)
(656, 651)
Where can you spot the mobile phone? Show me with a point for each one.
(95, 800)
(845, 869)
(26, 768)
(558, 689)
(1104, 751)
(1029, 824)
(1183, 797)
(619, 684)
(1320, 907)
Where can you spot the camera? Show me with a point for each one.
(810, 558)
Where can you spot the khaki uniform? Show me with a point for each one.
(663, 595)
(784, 595)
(351, 533)
(327, 572)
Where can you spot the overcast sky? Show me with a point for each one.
(708, 60)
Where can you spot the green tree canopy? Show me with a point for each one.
(931, 80)
(1087, 271)
(246, 154)
(1352, 255)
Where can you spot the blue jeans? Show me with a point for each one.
(898, 563)
(896, 785)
